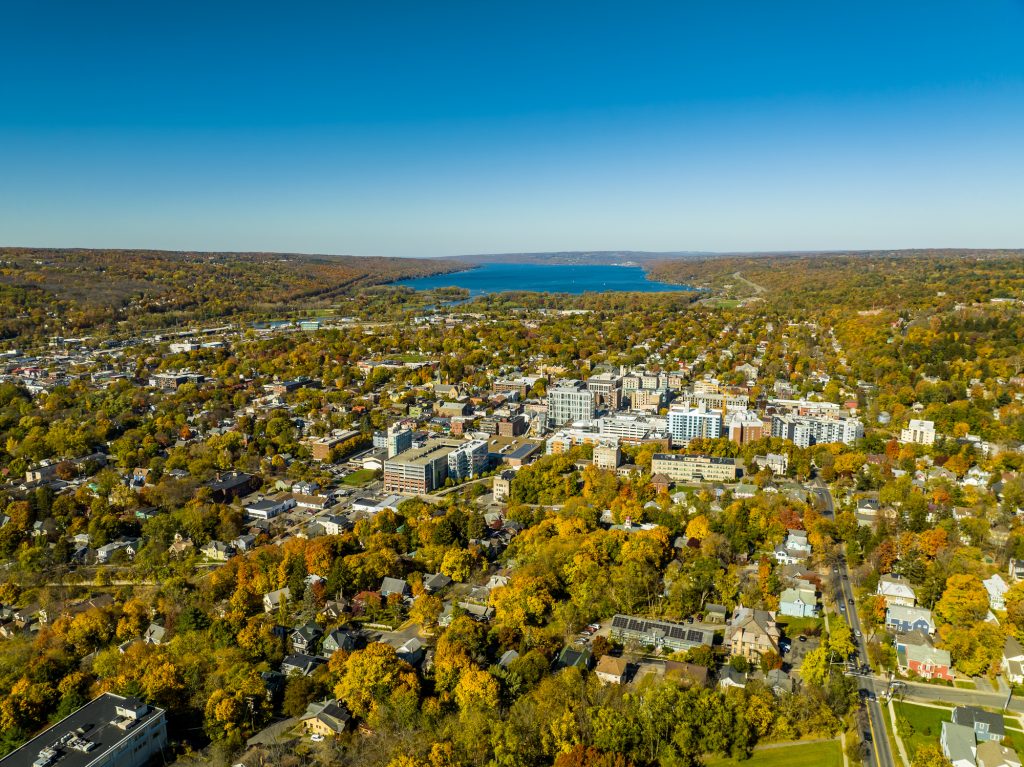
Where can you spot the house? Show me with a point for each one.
(752, 633)
(394, 586)
(244, 543)
(1012, 664)
(571, 657)
(730, 677)
(338, 639)
(507, 658)
(958, 744)
(301, 664)
(986, 724)
(798, 603)
(900, 619)
(611, 670)
(218, 551)
(154, 634)
(896, 590)
(412, 651)
(326, 717)
(334, 609)
(715, 613)
(991, 754)
(996, 588)
(921, 658)
(273, 600)
(305, 638)
(129, 546)
(690, 672)
(434, 583)
(1015, 571)
(778, 681)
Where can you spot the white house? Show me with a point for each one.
(996, 588)
(798, 603)
(896, 590)
(918, 432)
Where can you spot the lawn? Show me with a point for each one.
(963, 684)
(922, 724)
(1016, 738)
(794, 626)
(360, 478)
(823, 754)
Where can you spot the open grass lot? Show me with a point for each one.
(822, 754)
(359, 478)
(922, 725)
(965, 684)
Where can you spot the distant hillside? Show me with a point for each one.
(594, 257)
(69, 290)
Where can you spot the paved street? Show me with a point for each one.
(878, 750)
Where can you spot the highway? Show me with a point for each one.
(879, 752)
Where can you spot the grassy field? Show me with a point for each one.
(359, 478)
(824, 754)
(964, 684)
(923, 724)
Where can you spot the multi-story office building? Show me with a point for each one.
(918, 433)
(399, 440)
(744, 426)
(569, 401)
(468, 459)
(686, 423)
(688, 468)
(607, 456)
(648, 400)
(520, 386)
(805, 431)
(513, 426)
(719, 401)
(419, 470)
(108, 731)
(607, 388)
(634, 428)
(564, 440)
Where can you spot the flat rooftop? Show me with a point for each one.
(684, 458)
(92, 723)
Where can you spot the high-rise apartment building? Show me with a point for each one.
(744, 427)
(686, 423)
(569, 401)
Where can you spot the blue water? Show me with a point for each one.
(542, 278)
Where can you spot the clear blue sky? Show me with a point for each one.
(436, 128)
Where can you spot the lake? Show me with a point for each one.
(544, 278)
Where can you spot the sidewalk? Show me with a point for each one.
(896, 735)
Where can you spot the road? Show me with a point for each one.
(879, 752)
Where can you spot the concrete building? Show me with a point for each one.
(918, 432)
(686, 423)
(420, 470)
(804, 431)
(634, 428)
(718, 401)
(399, 439)
(108, 731)
(744, 426)
(607, 456)
(569, 401)
(564, 440)
(688, 468)
(467, 460)
(647, 400)
(502, 488)
(607, 389)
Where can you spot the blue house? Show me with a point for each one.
(900, 619)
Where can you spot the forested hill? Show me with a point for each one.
(854, 280)
(91, 289)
